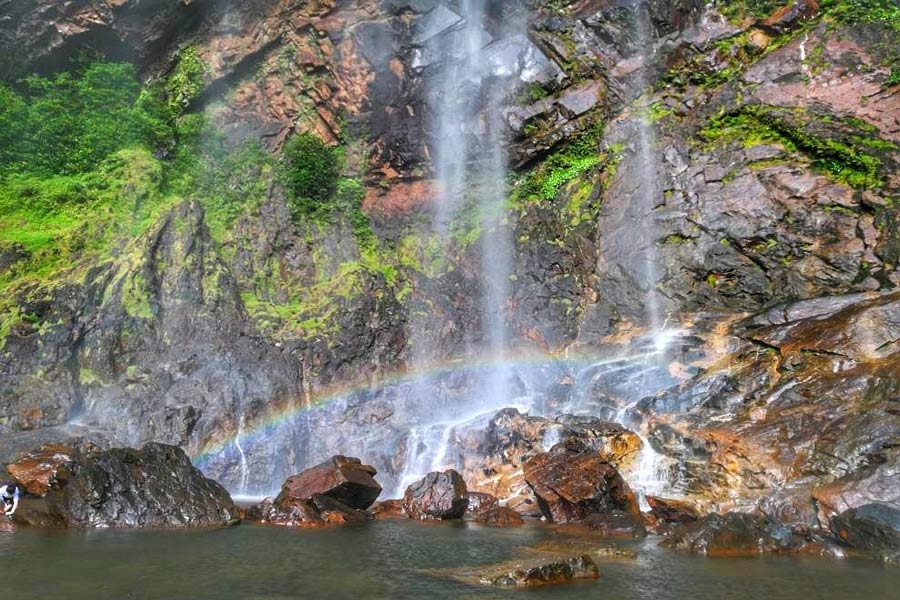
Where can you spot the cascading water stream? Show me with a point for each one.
(469, 159)
(245, 471)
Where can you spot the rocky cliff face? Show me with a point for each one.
(774, 184)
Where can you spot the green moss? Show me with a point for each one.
(311, 174)
(842, 160)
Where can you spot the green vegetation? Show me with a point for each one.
(185, 83)
(531, 93)
(66, 125)
(310, 173)
(748, 9)
(843, 160)
(574, 168)
(560, 176)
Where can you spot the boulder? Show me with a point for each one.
(291, 512)
(437, 496)
(388, 509)
(337, 513)
(672, 511)
(344, 479)
(559, 571)
(870, 527)
(571, 482)
(156, 486)
(734, 534)
(485, 509)
(35, 470)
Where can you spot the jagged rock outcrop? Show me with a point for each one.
(870, 527)
(776, 183)
(155, 486)
(572, 483)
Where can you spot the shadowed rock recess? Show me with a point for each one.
(695, 312)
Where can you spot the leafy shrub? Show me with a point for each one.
(67, 124)
(185, 83)
(311, 173)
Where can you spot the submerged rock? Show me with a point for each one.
(559, 571)
(156, 486)
(344, 479)
(734, 534)
(571, 483)
(437, 496)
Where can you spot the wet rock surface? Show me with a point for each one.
(672, 511)
(486, 510)
(36, 470)
(733, 534)
(155, 486)
(555, 572)
(292, 512)
(437, 496)
(572, 483)
(774, 196)
(344, 479)
(870, 527)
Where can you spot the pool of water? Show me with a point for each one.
(389, 560)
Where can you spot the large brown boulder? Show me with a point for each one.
(156, 486)
(344, 479)
(35, 470)
(572, 482)
(437, 496)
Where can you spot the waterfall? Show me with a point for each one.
(469, 150)
(649, 191)
(245, 471)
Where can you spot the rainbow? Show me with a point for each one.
(278, 416)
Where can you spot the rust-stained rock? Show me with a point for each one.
(345, 479)
(437, 496)
(672, 511)
(388, 509)
(36, 469)
(571, 483)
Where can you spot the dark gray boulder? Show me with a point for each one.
(156, 486)
(870, 527)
